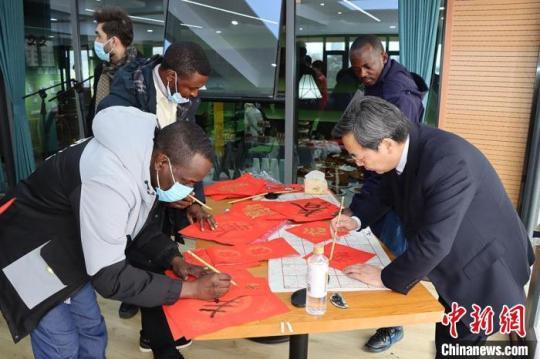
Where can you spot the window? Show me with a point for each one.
(240, 39)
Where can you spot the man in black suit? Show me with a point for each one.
(462, 230)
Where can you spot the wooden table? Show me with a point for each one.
(372, 309)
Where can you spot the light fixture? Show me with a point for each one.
(189, 25)
(230, 12)
(307, 88)
(273, 65)
(147, 19)
(339, 13)
(322, 4)
(392, 26)
(51, 37)
(54, 19)
(149, 30)
(353, 6)
(234, 22)
(301, 29)
(218, 31)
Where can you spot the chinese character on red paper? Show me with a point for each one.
(513, 320)
(482, 319)
(453, 317)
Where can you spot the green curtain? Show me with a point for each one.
(418, 20)
(12, 65)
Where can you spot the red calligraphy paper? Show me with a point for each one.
(275, 248)
(315, 232)
(257, 210)
(279, 187)
(243, 186)
(6, 205)
(305, 210)
(250, 300)
(199, 252)
(233, 230)
(345, 256)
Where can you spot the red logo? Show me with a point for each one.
(453, 317)
(482, 319)
(513, 320)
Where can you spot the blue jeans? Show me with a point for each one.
(392, 233)
(75, 330)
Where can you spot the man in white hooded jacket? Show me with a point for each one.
(76, 217)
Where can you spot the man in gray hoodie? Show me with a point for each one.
(76, 217)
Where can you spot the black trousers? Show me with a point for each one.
(156, 329)
(465, 337)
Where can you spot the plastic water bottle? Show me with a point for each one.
(317, 280)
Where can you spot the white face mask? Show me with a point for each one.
(177, 192)
(176, 97)
(99, 49)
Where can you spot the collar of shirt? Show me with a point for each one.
(403, 160)
(165, 109)
(158, 82)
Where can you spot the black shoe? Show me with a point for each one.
(383, 339)
(182, 343)
(144, 344)
(127, 311)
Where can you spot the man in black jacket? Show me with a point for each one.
(462, 230)
(167, 86)
(76, 219)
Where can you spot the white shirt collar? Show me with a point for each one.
(158, 82)
(403, 160)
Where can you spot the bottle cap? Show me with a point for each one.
(318, 250)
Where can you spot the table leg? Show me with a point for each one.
(298, 346)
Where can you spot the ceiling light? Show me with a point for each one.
(218, 31)
(353, 6)
(189, 25)
(339, 13)
(234, 22)
(230, 12)
(53, 19)
(393, 26)
(301, 29)
(149, 30)
(273, 65)
(51, 36)
(322, 4)
(146, 18)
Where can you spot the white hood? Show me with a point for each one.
(128, 133)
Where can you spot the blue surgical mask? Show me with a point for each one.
(177, 192)
(176, 97)
(99, 49)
